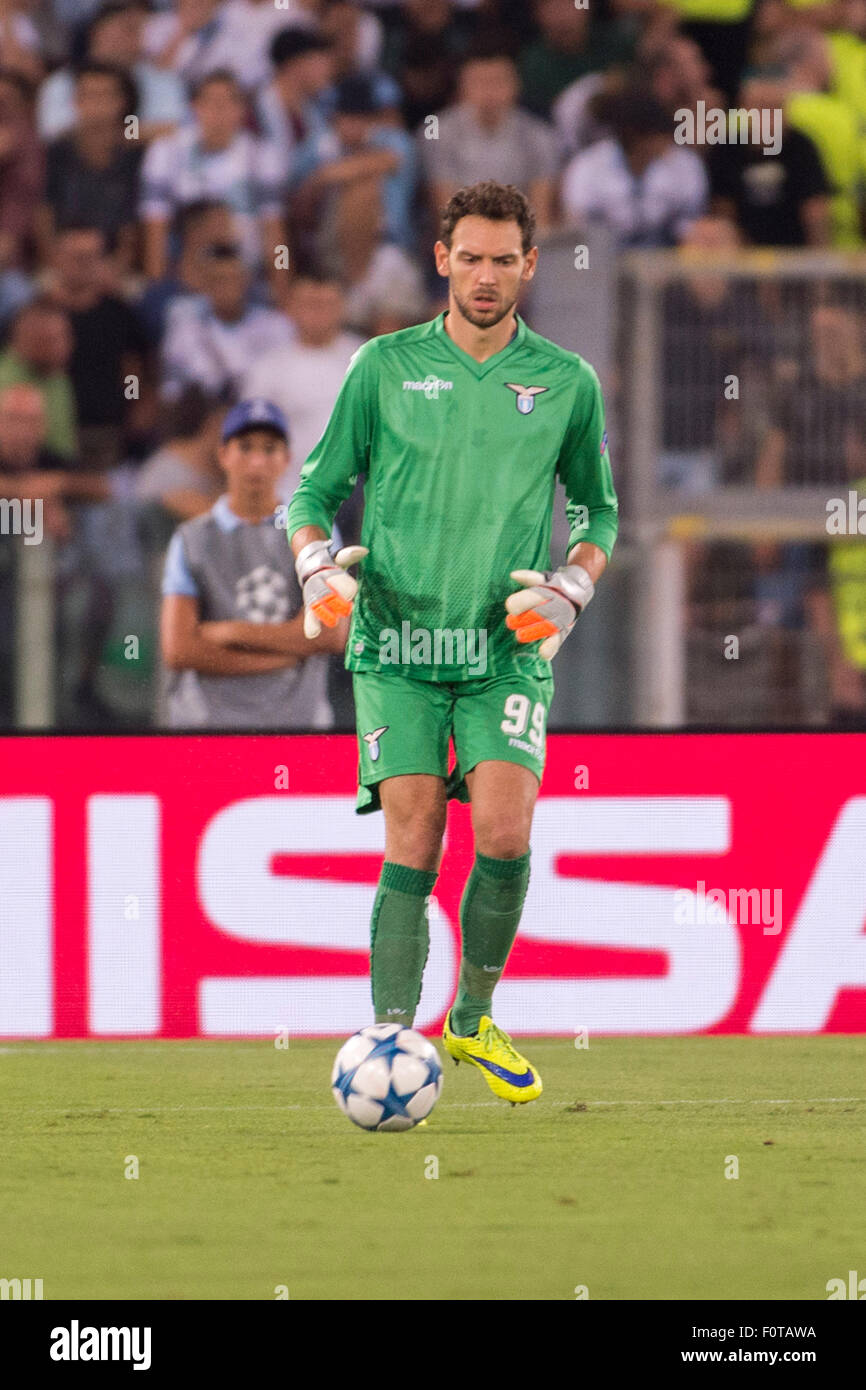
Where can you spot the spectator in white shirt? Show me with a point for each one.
(211, 339)
(216, 158)
(304, 378)
(116, 36)
(639, 183)
(252, 26)
(573, 112)
(192, 39)
(487, 136)
(672, 69)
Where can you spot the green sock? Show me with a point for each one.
(399, 941)
(489, 914)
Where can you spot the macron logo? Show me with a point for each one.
(431, 386)
(75, 1343)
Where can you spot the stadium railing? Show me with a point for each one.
(738, 407)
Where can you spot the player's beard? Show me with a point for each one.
(490, 319)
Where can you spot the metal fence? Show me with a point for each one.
(744, 401)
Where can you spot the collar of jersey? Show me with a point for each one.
(481, 369)
(226, 519)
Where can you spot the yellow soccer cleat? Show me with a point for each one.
(508, 1075)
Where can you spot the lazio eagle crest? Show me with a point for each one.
(526, 396)
(372, 741)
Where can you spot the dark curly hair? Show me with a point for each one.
(500, 202)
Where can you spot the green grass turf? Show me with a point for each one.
(250, 1177)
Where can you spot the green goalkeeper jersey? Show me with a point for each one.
(459, 460)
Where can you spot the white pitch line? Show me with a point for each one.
(96, 1110)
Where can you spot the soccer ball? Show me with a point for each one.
(386, 1077)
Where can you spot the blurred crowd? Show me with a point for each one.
(204, 201)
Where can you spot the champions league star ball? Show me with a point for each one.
(263, 595)
(386, 1077)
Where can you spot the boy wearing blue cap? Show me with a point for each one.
(231, 633)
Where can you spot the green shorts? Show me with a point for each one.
(404, 726)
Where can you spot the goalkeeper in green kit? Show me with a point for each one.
(459, 428)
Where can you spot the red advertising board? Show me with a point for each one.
(174, 886)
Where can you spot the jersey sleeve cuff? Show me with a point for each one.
(307, 516)
(604, 538)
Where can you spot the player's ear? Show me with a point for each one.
(530, 263)
(441, 254)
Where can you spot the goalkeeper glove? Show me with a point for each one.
(328, 591)
(549, 607)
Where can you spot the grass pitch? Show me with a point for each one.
(250, 1180)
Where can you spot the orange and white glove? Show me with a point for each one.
(327, 589)
(549, 607)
